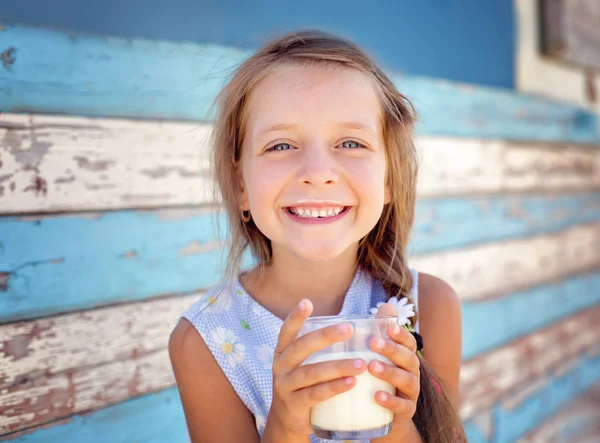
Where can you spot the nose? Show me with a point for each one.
(318, 166)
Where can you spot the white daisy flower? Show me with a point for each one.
(265, 354)
(230, 345)
(404, 309)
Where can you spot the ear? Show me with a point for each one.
(244, 202)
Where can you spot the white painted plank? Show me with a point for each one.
(511, 372)
(516, 263)
(58, 163)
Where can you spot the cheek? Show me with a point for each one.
(264, 185)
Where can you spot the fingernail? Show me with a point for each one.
(359, 363)
(344, 329)
(383, 396)
(379, 343)
(377, 368)
(303, 305)
(395, 329)
(349, 380)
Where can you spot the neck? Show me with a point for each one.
(289, 279)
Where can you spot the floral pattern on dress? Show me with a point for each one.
(265, 354)
(218, 303)
(230, 345)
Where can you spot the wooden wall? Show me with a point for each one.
(107, 235)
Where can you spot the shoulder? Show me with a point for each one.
(440, 320)
(206, 398)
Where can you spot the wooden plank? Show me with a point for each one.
(58, 163)
(51, 368)
(54, 71)
(155, 418)
(573, 421)
(513, 422)
(46, 269)
(501, 424)
(527, 361)
(518, 263)
(499, 321)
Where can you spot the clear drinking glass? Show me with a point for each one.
(353, 414)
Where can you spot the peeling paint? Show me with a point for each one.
(130, 254)
(4, 276)
(8, 58)
(95, 166)
(163, 171)
(195, 247)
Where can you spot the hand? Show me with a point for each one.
(296, 387)
(401, 350)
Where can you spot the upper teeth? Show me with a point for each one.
(317, 212)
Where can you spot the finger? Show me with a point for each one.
(399, 406)
(406, 382)
(398, 354)
(402, 336)
(323, 391)
(292, 325)
(386, 309)
(302, 348)
(312, 374)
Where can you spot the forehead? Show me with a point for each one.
(310, 95)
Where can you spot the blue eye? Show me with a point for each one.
(358, 145)
(280, 147)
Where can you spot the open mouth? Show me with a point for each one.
(305, 212)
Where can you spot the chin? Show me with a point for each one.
(320, 252)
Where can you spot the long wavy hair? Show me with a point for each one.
(383, 251)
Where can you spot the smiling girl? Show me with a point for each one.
(316, 168)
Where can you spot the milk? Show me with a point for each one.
(356, 409)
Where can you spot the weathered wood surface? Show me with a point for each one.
(539, 402)
(53, 71)
(517, 263)
(57, 163)
(573, 422)
(512, 370)
(47, 269)
(51, 368)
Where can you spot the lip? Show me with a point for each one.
(317, 221)
(311, 203)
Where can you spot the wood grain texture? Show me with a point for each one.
(517, 263)
(48, 269)
(59, 72)
(507, 373)
(575, 421)
(52, 368)
(58, 163)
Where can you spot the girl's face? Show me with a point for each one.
(313, 161)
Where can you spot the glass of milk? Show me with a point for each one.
(354, 414)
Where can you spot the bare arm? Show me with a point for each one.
(440, 320)
(213, 410)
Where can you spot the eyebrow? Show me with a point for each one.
(346, 125)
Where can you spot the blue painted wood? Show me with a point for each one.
(59, 72)
(556, 393)
(151, 418)
(489, 324)
(465, 52)
(159, 417)
(512, 424)
(69, 262)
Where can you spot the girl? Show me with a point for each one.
(316, 168)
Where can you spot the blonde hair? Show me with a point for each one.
(383, 251)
